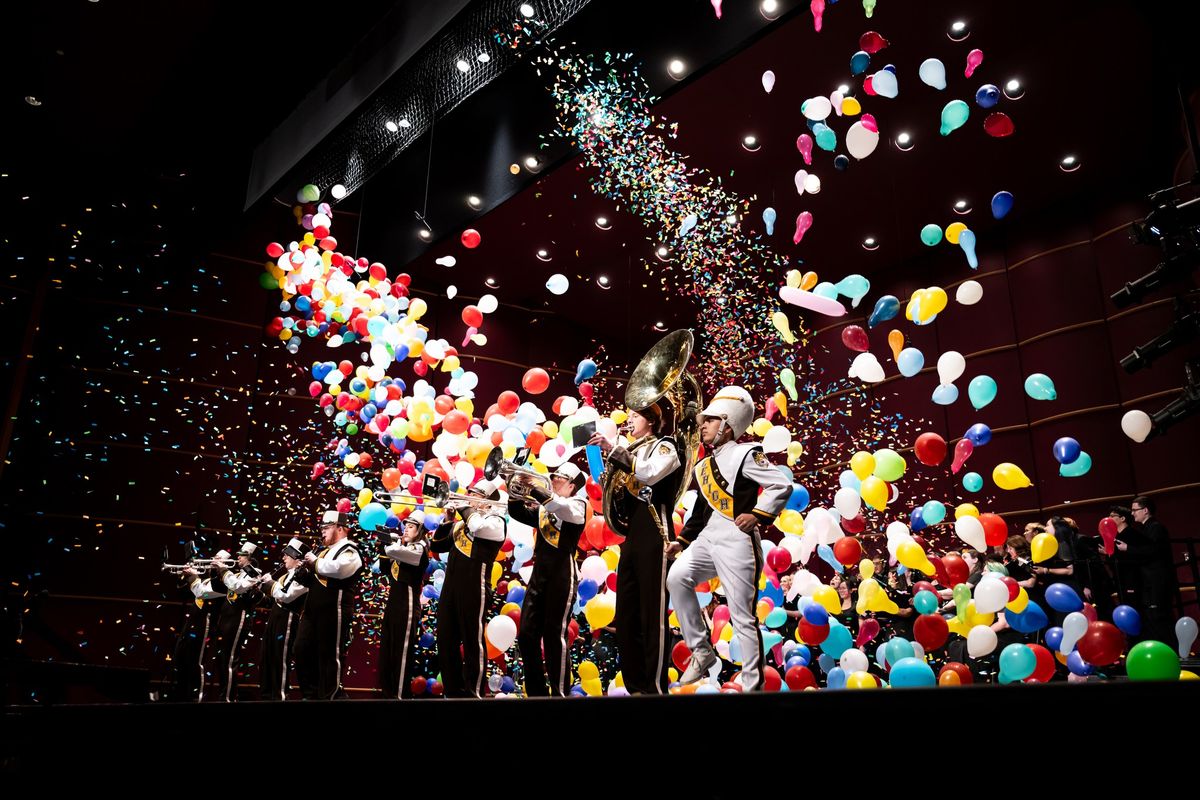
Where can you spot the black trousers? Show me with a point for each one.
(398, 638)
(545, 616)
(461, 649)
(199, 627)
(279, 641)
(643, 635)
(321, 643)
(233, 625)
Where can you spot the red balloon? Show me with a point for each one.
(995, 529)
(1089, 611)
(1102, 644)
(731, 687)
(535, 440)
(962, 451)
(811, 634)
(1045, 668)
(418, 685)
(868, 629)
(998, 124)
(586, 393)
(779, 559)
(855, 525)
(536, 381)
(847, 550)
(593, 532)
(799, 678)
(930, 449)
(680, 655)
(923, 586)
(1014, 588)
(274, 250)
(771, 679)
(957, 570)
(955, 674)
(456, 422)
(472, 316)
(471, 238)
(855, 338)
(508, 401)
(1108, 532)
(931, 631)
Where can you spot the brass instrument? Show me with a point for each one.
(199, 565)
(662, 372)
(437, 492)
(520, 481)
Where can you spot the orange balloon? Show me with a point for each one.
(434, 467)
(808, 281)
(535, 440)
(536, 381)
(896, 342)
(456, 422)
(444, 403)
(391, 479)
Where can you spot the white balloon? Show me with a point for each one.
(558, 284)
(933, 73)
(970, 530)
(847, 502)
(569, 406)
(801, 177)
(866, 367)
(1136, 424)
(990, 596)
(816, 108)
(594, 569)
(451, 291)
(777, 439)
(1074, 627)
(501, 632)
(981, 640)
(768, 81)
(446, 261)
(812, 184)
(835, 99)
(969, 293)
(885, 84)
(488, 303)
(854, 660)
(950, 366)
(861, 141)
(1185, 632)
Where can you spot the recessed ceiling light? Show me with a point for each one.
(491, 282)
(1069, 164)
(404, 123)
(544, 255)
(603, 223)
(769, 9)
(959, 31)
(391, 126)
(533, 164)
(662, 253)
(33, 101)
(870, 243)
(1014, 89)
(676, 68)
(515, 169)
(424, 234)
(526, 10)
(474, 201)
(904, 141)
(603, 282)
(338, 191)
(750, 143)
(660, 326)
(962, 207)
(463, 66)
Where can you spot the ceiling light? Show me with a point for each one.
(526, 10)
(474, 201)
(751, 144)
(870, 243)
(463, 66)
(769, 9)
(391, 126)
(338, 191)
(959, 31)
(676, 69)
(1014, 89)
(1069, 164)
(603, 223)
(904, 141)
(544, 255)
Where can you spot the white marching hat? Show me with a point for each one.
(416, 518)
(734, 405)
(248, 549)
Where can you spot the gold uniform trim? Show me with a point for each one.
(712, 488)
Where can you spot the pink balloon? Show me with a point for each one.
(855, 338)
(974, 59)
(868, 629)
(962, 451)
(771, 409)
(868, 122)
(803, 223)
(470, 332)
(813, 302)
(817, 7)
(804, 143)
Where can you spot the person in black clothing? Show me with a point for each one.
(1159, 577)
(403, 565)
(198, 630)
(473, 542)
(648, 485)
(288, 595)
(1129, 549)
(324, 636)
(558, 516)
(242, 594)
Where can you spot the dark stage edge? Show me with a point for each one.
(824, 737)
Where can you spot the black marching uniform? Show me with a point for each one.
(650, 478)
(466, 591)
(199, 626)
(233, 623)
(289, 595)
(403, 568)
(324, 633)
(551, 593)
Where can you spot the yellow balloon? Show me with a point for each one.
(791, 522)
(619, 680)
(477, 452)
(953, 231)
(793, 278)
(588, 671)
(673, 620)
(781, 403)
(880, 602)
(592, 688)
(958, 626)
(1019, 604)
(874, 493)
(912, 556)
(851, 107)
(827, 598)
(449, 364)
(866, 569)
(794, 451)
(867, 591)
(975, 618)
(965, 510)
(896, 342)
(497, 571)
(600, 610)
(418, 307)
(1044, 547)
(550, 428)
(780, 321)
(415, 348)
(935, 300)
(309, 239)
(619, 416)
(1188, 675)
(1010, 476)
(861, 680)
(465, 405)
(364, 497)
(862, 464)
(762, 427)
(508, 607)
(726, 634)
(611, 557)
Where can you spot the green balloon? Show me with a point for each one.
(309, 194)
(954, 115)
(267, 281)
(931, 234)
(1152, 661)
(351, 429)
(889, 465)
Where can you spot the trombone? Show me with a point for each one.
(519, 480)
(437, 492)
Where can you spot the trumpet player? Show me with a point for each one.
(650, 482)
(242, 593)
(473, 541)
(558, 515)
(404, 561)
(198, 628)
(739, 490)
(288, 595)
(323, 637)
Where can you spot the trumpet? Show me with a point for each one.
(199, 565)
(520, 481)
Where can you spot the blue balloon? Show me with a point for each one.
(827, 663)
(826, 554)
(979, 434)
(945, 394)
(1066, 450)
(981, 391)
(848, 480)
(910, 362)
(886, 307)
(816, 614)
(517, 595)
(1080, 466)
(585, 370)
(769, 220)
(841, 163)
(909, 673)
(916, 521)
(1063, 598)
(1128, 620)
(972, 481)
(1002, 203)
(799, 499)
(794, 661)
(933, 512)
(835, 678)
(859, 62)
(1031, 620)
(825, 289)
(587, 589)
(1054, 637)
(772, 592)
(803, 652)
(1077, 665)
(988, 96)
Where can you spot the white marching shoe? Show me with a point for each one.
(698, 667)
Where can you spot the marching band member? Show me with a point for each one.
(651, 463)
(324, 634)
(242, 593)
(558, 515)
(403, 564)
(193, 645)
(722, 534)
(288, 595)
(473, 541)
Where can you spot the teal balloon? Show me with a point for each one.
(777, 617)
(933, 512)
(899, 649)
(855, 287)
(945, 394)
(981, 391)
(912, 673)
(1080, 466)
(886, 308)
(1017, 662)
(826, 138)
(859, 63)
(910, 362)
(1040, 387)
(966, 240)
(931, 234)
(926, 602)
(972, 481)
(825, 289)
(954, 116)
(838, 641)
